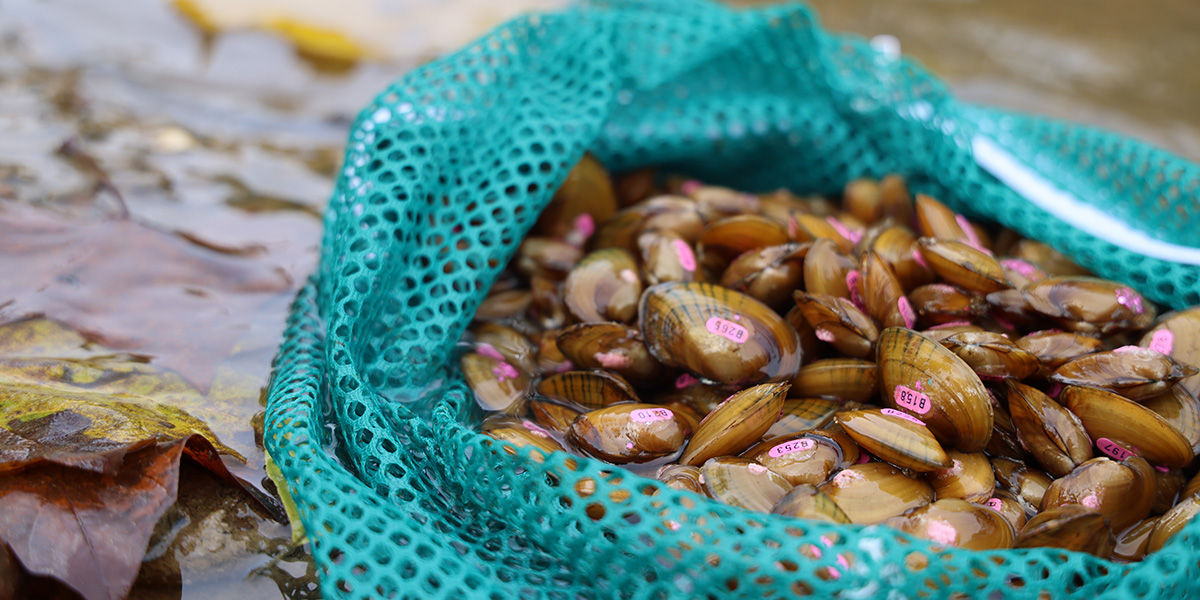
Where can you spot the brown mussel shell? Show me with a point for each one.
(503, 342)
(1132, 543)
(1053, 434)
(799, 458)
(873, 492)
(963, 265)
(838, 322)
(498, 386)
(551, 416)
(936, 220)
(969, 477)
(954, 522)
(681, 477)
(587, 193)
(744, 483)
(804, 414)
(522, 434)
(1121, 491)
(666, 257)
(730, 237)
(1026, 482)
(1136, 373)
(612, 346)
(768, 274)
(1071, 527)
(1172, 521)
(938, 303)
(895, 437)
(826, 269)
(1178, 335)
(1181, 410)
(588, 389)
(604, 286)
(850, 379)
(920, 376)
(628, 433)
(1112, 420)
(718, 333)
(805, 501)
(992, 355)
(1089, 305)
(736, 424)
(897, 246)
(1053, 348)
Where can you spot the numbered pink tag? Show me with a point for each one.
(912, 399)
(792, 446)
(727, 329)
(685, 380)
(906, 311)
(649, 415)
(1162, 341)
(687, 258)
(995, 504)
(1113, 449)
(1131, 300)
(891, 412)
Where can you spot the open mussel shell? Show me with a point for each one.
(969, 477)
(895, 437)
(954, 522)
(1133, 372)
(1051, 433)
(1053, 348)
(613, 346)
(628, 433)
(1172, 521)
(963, 265)
(744, 483)
(1090, 305)
(1071, 527)
(736, 424)
(799, 458)
(826, 269)
(1121, 491)
(1132, 543)
(805, 501)
(498, 386)
(681, 477)
(1025, 482)
(871, 493)
(505, 343)
(768, 274)
(588, 389)
(1178, 335)
(1112, 420)
(803, 414)
(551, 416)
(1181, 409)
(992, 355)
(604, 286)
(838, 322)
(718, 333)
(850, 379)
(923, 378)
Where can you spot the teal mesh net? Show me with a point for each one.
(447, 169)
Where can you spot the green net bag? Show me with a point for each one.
(372, 425)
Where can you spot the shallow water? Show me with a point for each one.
(222, 144)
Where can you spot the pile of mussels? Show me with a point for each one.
(882, 361)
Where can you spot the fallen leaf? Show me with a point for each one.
(132, 288)
(87, 529)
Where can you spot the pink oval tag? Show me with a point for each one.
(1162, 341)
(841, 229)
(1131, 300)
(792, 446)
(1026, 270)
(727, 329)
(535, 429)
(687, 258)
(685, 380)
(906, 311)
(612, 359)
(690, 186)
(1113, 449)
(488, 350)
(912, 399)
(920, 260)
(585, 226)
(995, 504)
(972, 236)
(852, 280)
(891, 412)
(649, 415)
